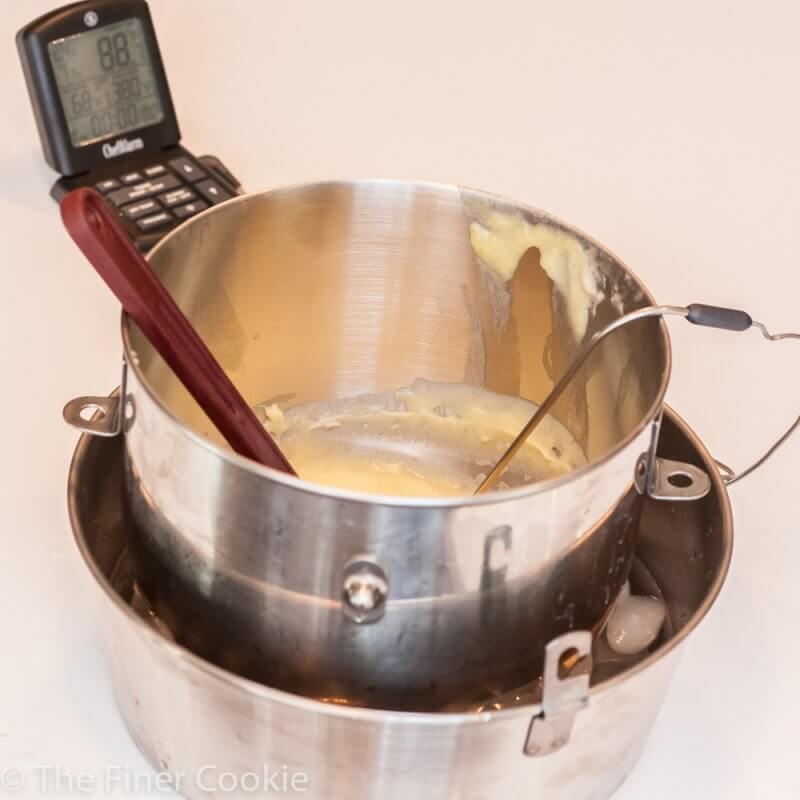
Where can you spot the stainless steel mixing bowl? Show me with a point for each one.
(326, 290)
(206, 724)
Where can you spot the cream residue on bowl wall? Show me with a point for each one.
(500, 240)
(427, 439)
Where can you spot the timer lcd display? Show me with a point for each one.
(105, 81)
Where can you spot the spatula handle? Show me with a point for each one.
(101, 237)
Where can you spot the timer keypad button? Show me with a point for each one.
(107, 185)
(212, 191)
(131, 177)
(182, 212)
(141, 191)
(136, 210)
(177, 197)
(187, 170)
(155, 170)
(154, 221)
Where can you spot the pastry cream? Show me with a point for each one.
(501, 240)
(428, 439)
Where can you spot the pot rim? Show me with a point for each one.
(297, 483)
(191, 661)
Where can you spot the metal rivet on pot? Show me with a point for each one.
(365, 588)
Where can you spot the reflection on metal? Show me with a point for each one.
(496, 549)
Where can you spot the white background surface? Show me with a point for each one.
(670, 132)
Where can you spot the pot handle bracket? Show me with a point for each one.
(107, 415)
(664, 479)
(565, 692)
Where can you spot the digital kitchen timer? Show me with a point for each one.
(105, 116)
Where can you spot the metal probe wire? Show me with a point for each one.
(643, 313)
(737, 476)
(694, 314)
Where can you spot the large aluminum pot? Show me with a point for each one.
(326, 290)
(222, 735)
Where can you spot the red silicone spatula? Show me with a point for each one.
(102, 239)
